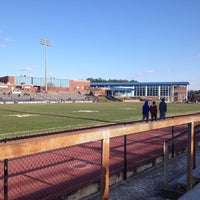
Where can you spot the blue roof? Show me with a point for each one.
(114, 84)
(120, 89)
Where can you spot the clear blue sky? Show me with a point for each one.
(143, 40)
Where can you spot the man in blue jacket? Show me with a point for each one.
(145, 111)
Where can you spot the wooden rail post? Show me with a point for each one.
(190, 156)
(105, 168)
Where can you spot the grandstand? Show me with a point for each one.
(41, 97)
(29, 89)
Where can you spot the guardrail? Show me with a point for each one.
(28, 147)
(191, 152)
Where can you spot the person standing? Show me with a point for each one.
(153, 111)
(145, 111)
(163, 109)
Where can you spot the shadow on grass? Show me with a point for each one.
(56, 115)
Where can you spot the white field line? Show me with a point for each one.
(23, 115)
(129, 108)
(57, 128)
(86, 111)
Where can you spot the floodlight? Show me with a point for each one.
(46, 43)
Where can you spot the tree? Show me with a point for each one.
(109, 80)
(192, 93)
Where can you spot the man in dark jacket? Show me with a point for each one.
(153, 111)
(145, 111)
(163, 109)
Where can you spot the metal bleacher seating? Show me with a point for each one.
(40, 96)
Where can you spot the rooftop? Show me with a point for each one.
(108, 84)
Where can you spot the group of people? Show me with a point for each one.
(153, 110)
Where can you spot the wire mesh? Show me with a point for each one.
(116, 155)
(58, 173)
(53, 174)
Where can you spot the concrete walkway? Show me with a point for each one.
(148, 184)
(192, 194)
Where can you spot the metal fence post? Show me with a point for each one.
(165, 164)
(125, 157)
(5, 177)
(172, 142)
(190, 154)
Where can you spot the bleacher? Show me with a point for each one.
(41, 97)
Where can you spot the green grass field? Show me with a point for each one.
(23, 119)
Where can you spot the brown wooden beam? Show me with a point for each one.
(22, 148)
(105, 167)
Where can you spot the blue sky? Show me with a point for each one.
(143, 40)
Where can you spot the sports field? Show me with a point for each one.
(23, 119)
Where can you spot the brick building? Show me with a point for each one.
(171, 91)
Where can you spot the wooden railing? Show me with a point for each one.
(191, 161)
(28, 147)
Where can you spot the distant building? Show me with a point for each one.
(171, 91)
(35, 84)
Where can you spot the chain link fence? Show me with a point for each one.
(61, 172)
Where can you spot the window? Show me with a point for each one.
(165, 91)
(152, 90)
(139, 91)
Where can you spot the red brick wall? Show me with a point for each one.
(55, 89)
(98, 91)
(79, 86)
(7, 79)
(179, 94)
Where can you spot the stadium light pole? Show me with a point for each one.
(46, 43)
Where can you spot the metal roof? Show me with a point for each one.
(114, 84)
(120, 89)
